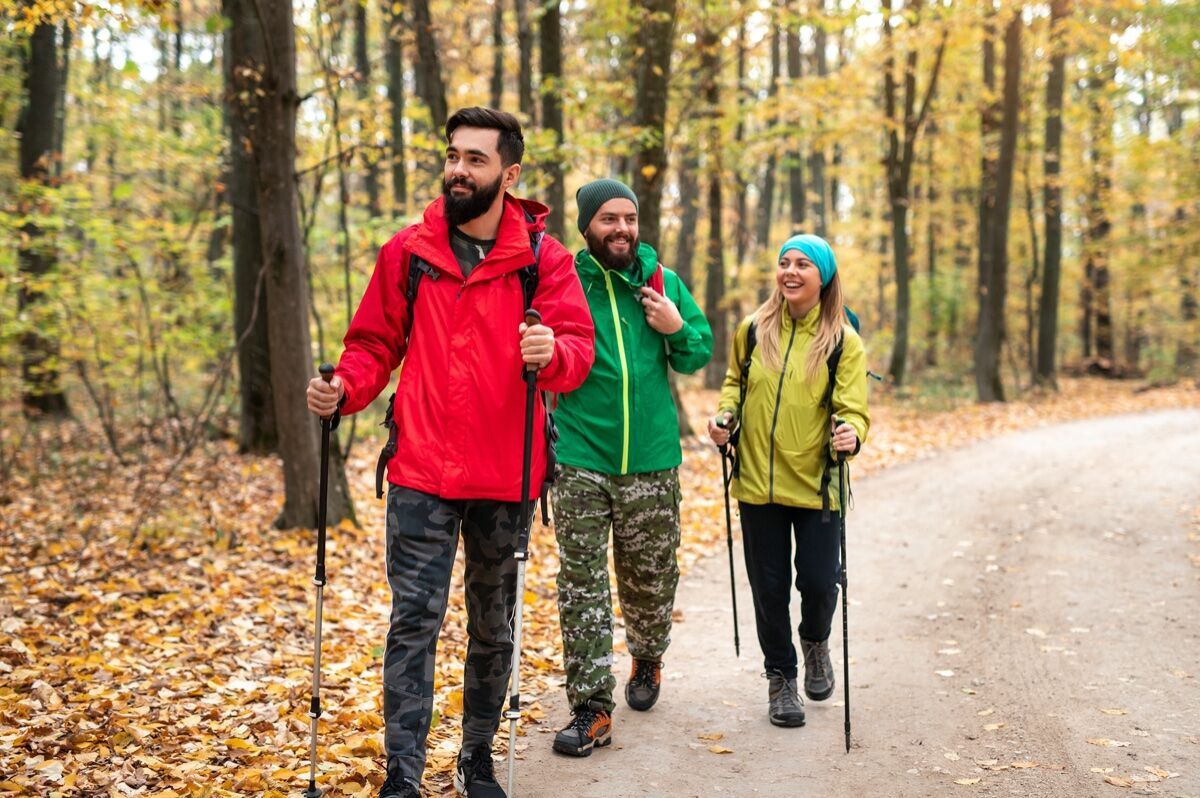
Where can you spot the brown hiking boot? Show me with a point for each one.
(589, 728)
(644, 683)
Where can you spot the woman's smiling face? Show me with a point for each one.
(799, 280)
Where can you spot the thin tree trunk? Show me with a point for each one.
(1099, 224)
(741, 232)
(766, 195)
(656, 37)
(1046, 372)
(714, 260)
(525, 70)
(795, 157)
(395, 68)
(932, 237)
(816, 161)
(244, 52)
(552, 116)
(41, 392)
(428, 69)
(689, 215)
(899, 161)
(497, 53)
(363, 68)
(274, 150)
(991, 334)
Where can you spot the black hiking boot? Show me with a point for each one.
(475, 776)
(589, 728)
(641, 691)
(396, 785)
(818, 670)
(784, 705)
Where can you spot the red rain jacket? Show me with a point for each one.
(460, 404)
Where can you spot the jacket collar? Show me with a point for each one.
(520, 218)
(646, 263)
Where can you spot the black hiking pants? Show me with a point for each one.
(767, 534)
(422, 537)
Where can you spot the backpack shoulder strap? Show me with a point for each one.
(656, 281)
(529, 274)
(832, 363)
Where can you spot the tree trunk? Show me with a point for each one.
(525, 70)
(766, 196)
(428, 68)
(272, 137)
(656, 37)
(932, 237)
(363, 67)
(60, 110)
(991, 312)
(795, 157)
(41, 392)
(689, 215)
(989, 127)
(1046, 372)
(552, 116)
(244, 51)
(1098, 313)
(899, 162)
(816, 161)
(395, 68)
(497, 53)
(714, 260)
(741, 233)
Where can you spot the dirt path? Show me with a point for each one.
(1009, 602)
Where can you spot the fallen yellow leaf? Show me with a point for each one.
(1115, 711)
(966, 782)
(720, 749)
(1118, 781)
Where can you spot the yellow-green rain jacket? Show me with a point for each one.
(785, 429)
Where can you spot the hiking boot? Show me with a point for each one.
(818, 670)
(396, 785)
(589, 728)
(475, 777)
(785, 707)
(644, 682)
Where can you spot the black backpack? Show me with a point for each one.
(827, 400)
(528, 276)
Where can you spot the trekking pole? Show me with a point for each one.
(841, 459)
(726, 457)
(521, 555)
(314, 709)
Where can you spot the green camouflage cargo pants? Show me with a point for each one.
(642, 510)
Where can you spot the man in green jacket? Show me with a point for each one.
(619, 448)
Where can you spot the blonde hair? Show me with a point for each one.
(769, 325)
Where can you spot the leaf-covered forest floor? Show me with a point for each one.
(174, 659)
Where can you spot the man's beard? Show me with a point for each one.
(460, 210)
(607, 258)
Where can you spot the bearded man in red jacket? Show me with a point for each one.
(459, 421)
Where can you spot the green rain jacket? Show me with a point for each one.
(622, 419)
(785, 427)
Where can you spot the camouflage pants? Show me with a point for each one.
(422, 537)
(642, 510)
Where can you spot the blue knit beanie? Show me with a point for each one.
(815, 249)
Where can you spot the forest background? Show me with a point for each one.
(192, 194)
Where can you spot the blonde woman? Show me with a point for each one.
(796, 392)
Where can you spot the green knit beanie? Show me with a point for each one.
(591, 196)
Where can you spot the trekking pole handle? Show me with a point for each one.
(326, 370)
(532, 317)
(837, 422)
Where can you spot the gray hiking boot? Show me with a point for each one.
(785, 707)
(818, 670)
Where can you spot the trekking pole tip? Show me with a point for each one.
(326, 370)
